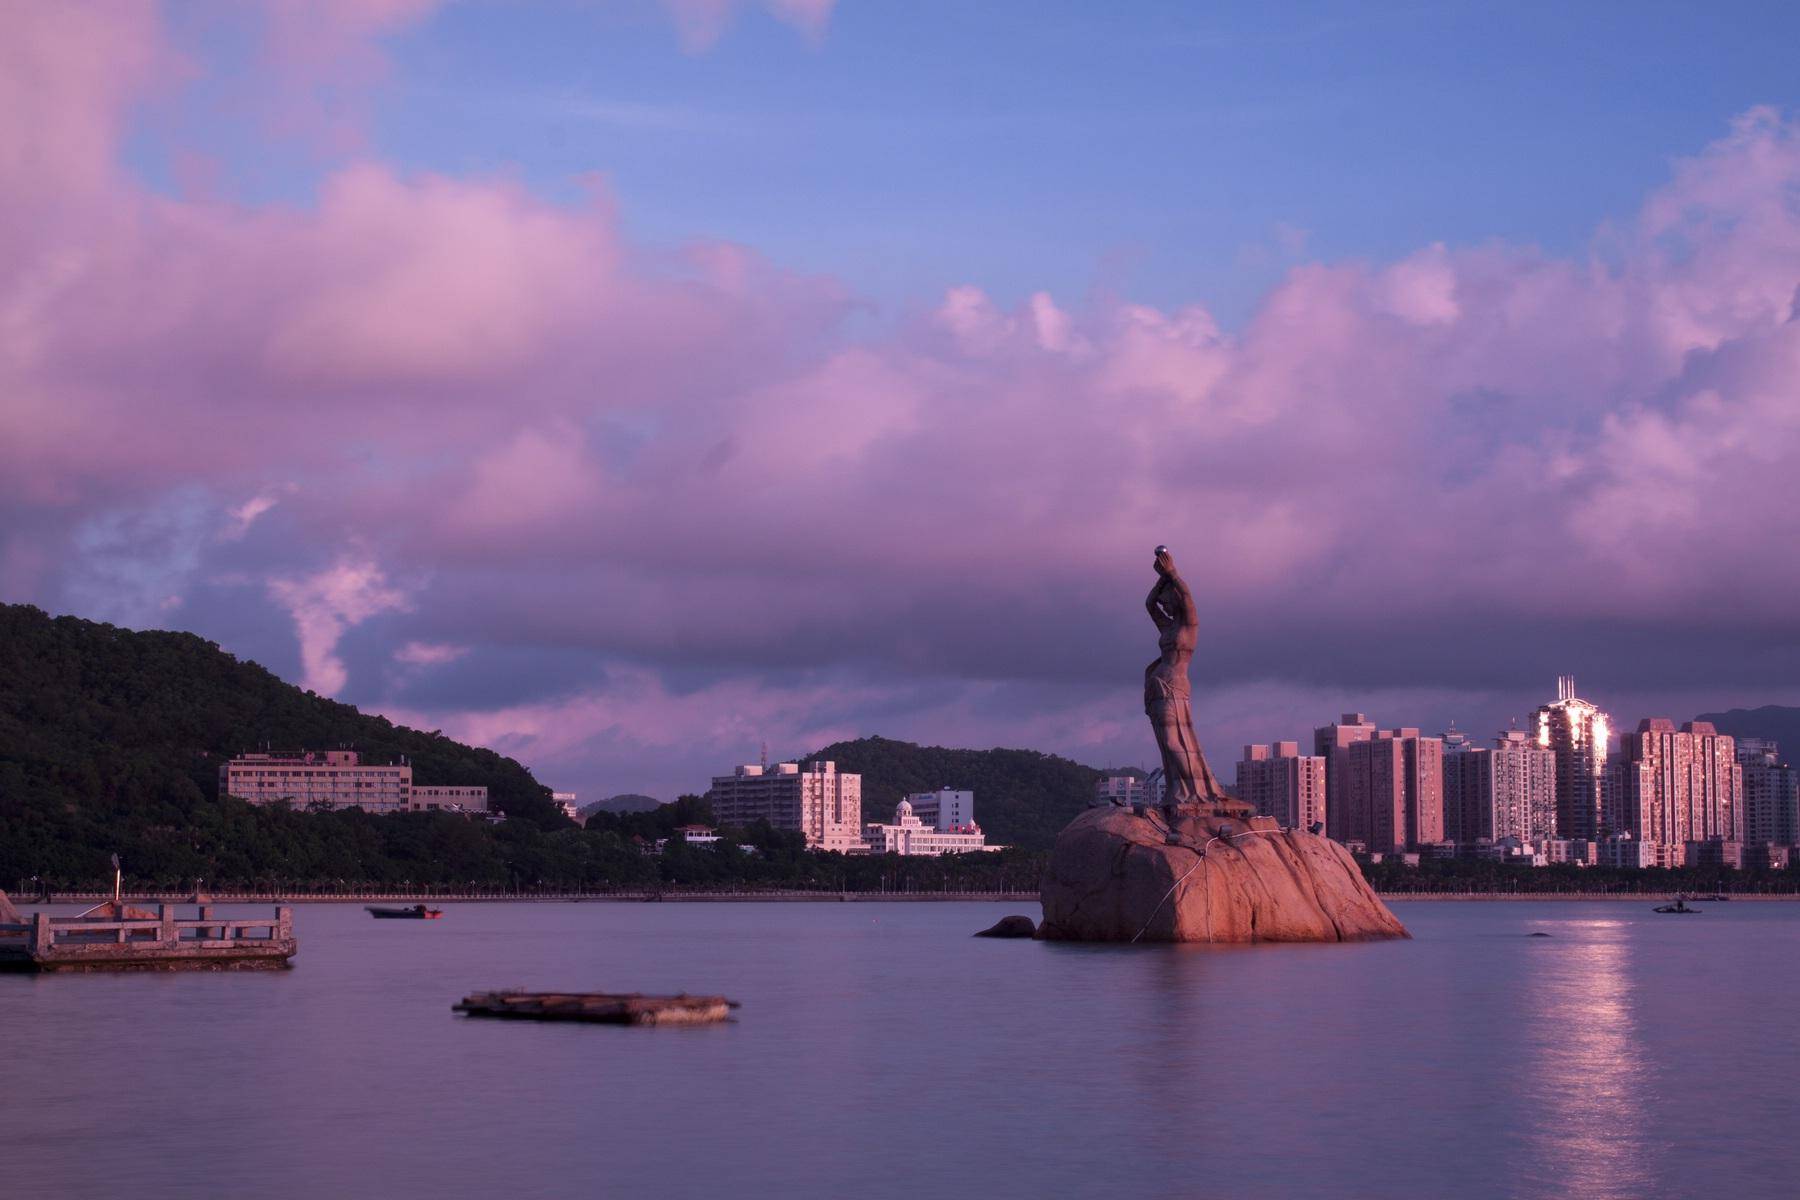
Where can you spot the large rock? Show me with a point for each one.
(1114, 878)
(1015, 926)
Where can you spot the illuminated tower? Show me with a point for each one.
(1577, 732)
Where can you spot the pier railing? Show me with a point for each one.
(48, 941)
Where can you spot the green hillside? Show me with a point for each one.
(1022, 797)
(111, 740)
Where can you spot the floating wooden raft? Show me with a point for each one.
(609, 1008)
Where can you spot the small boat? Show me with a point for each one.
(1716, 897)
(1680, 906)
(606, 1008)
(415, 912)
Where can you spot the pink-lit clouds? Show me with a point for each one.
(487, 430)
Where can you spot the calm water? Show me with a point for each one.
(881, 1051)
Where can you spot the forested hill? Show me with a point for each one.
(1022, 797)
(98, 718)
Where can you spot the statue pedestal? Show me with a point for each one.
(1216, 872)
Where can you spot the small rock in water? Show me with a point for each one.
(1015, 926)
(1537, 933)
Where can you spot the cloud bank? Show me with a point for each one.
(651, 508)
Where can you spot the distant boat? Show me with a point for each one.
(417, 912)
(1680, 906)
(1716, 896)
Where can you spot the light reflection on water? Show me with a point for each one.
(1588, 1082)
(882, 1051)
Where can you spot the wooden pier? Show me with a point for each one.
(605, 1008)
(130, 939)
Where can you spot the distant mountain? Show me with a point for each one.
(1774, 721)
(1022, 797)
(624, 802)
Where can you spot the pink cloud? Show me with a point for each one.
(681, 464)
(326, 604)
(428, 654)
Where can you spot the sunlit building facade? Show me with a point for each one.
(1332, 743)
(1578, 734)
(1394, 791)
(1499, 791)
(1283, 783)
(816, 801)
(318, 779)
(909, 835)
(1676, 788)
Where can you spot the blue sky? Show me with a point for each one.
(1166, 152)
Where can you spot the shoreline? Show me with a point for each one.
(796, 897)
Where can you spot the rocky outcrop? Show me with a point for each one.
(1015, 926)
(1114, 877)
(8, 914)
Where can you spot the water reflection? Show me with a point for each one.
(1588, 1085)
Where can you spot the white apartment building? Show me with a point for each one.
(909, 835)
(565, 801)
(944, 809)
(818, 801)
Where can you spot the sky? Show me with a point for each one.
(626, 384)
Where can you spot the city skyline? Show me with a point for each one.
(453, 362)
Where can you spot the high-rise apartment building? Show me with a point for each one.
(1579, 734)
(816, 801)
(1771, 794)
(1394, 791)
(1507, 790)
(1283, 783)
(1332, 743)
(1674, 787)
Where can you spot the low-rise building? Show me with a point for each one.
(340, 779)
(565, 803)
(428, 798)
(911, 836)
(1622, 851)
(308, 778)
(1716, 852)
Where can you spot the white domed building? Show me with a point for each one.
(911, 836)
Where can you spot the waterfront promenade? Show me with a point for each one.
(784, 895)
